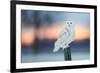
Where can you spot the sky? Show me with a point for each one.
(51, 22)
(29, 16)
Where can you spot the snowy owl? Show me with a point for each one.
(66, 37)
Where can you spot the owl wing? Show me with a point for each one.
(61, 41)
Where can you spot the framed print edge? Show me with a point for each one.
(13, 36)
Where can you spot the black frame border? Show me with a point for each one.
(13, 36)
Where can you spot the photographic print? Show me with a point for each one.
(41, 31)
(50, 36)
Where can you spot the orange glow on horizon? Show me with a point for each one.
(27, 37)
(81, 32)
(52, 32)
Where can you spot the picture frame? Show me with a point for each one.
(17, 61)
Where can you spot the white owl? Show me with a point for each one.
(66, 37)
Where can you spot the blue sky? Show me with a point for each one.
(29, 16)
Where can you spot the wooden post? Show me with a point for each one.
(67, 54)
